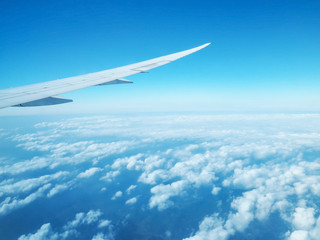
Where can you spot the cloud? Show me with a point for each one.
(29, 165)
(70, 228)
(84, 218)
(10, 204)
(12, 190)
(153, 177)
(265, 163)
(131, 201)
(29, 184)
(64, 154)
(244, 207)
(211, 228)
(303, 218)
(45, 232)
(117, 195)
(110, 175)
(131, 163)
(267, 188)
(299, 235)
(215, 190)
(130, 189)
(162, 193)
(100, 236)
(58, 188)
(90, 172)
(104, 223)
(104, 236)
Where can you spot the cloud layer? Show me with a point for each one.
(251, 166)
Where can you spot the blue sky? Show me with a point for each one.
(264, 57)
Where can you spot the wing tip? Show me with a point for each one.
(198, 48)
(205, 45)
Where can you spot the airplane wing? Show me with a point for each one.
(47, 93)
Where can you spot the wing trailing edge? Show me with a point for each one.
(45, 102)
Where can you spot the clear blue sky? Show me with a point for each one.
(265, 54)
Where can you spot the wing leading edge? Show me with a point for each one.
(47, 93)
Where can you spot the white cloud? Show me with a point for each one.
(162, 193)
(131, 201)
(315, 232)
(10, 204)
(266, 157)
(82, 218)
(131, 188)
(99, 236)
(57, 189)
(153, 177)
(65, 154)
(244, 215)
(131, 163)
(89, 172)
(110, 175)
(45, 232)
(104, 223)
(211, 228)
(28, 165)
(117, 195)
(104, 236)
(303, 218)
(92, 216)
(29, 184)
(215, 190)
(299, 235)
(70, 228)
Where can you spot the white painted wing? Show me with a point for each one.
(46, 93)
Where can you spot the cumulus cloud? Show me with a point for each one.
(10, 204)
(162, 193)
(15, 190)
(65, 154)
(70, 228)
(45, 232)
(58, 188)
(104, 223)
(303, 218)
(131, 188)
(89, 172)
(28, 184)
(211, 228)
(244, 212)
(264, 162)
(117, 195)
(266, 189)
(104, 236)
(100, 236)
(131, 201)
(110, 175)
(84, 218)
(215, 190)
(131, 163)
(299, 235)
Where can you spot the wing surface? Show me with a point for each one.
(47, 93)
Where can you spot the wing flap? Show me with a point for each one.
(45, 102)
(117, 81)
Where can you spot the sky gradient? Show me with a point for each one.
(264, 56)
